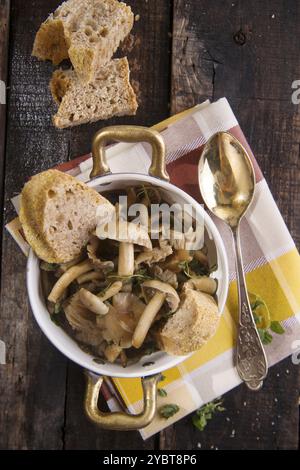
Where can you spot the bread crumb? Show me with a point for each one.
(137, 17)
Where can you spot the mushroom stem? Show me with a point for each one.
(90, 276)
(92, 302)
(66, 279)
(147, 318)
(204, 284)
(126, 259)
(113, 290)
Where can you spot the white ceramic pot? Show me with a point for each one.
(161, 361)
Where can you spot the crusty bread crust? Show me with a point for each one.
(110, 94)
(58, 214)
(86, 31)
(194, 323)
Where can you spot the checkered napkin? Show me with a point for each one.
(271, 261)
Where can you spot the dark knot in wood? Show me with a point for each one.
(239, 37)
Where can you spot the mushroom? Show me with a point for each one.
(89, 277)
(128, 234)
(112, 290)
(204, 284)
(165, 276)
(112, 352)
(92, 249)
(174, 263)
(92, 302)
(67, 278)
(155, 255)
(117, 328)
(129, 303)
(162, 292)
(201, 257)
(83, 321)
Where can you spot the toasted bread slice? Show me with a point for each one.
(110, 94)
(86, 31)
(194, 323)
(58, 214)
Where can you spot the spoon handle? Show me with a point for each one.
(251, 361)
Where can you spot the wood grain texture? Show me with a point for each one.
(41, 394)
(4, 36)
(247, 51)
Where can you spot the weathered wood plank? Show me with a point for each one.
(264, 421)
(32, 384)
(34, 381)
(4, 35)
(247, 51)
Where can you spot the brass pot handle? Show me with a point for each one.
(129, 134)
(120, 421)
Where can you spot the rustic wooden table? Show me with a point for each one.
(185, 52)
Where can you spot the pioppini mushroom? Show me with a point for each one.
(167, 276)
(128, 303)
(112, 290)
(112, 352)
(67, 278)
(92, 302)
(155, 255)
(162, 293)
(101, 265)
(127, 234)
(83, 321)
(117, 328)
(204, 284)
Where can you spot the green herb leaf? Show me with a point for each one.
(167, 411)
(206, 412)
(257, 318)
(193, 269)
(162, 392)
(265, 336)
(184, 266)
(277, 328)
(199, 269)
(55, 319)
(256, 304)
(48, 266)
(139, 275)
(57, 308)
(56, 315)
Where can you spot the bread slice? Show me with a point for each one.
(191, 326)
(110, 94)
(86, 31)
(58, 214)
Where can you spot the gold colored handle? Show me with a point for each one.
(129, 134)
(121, 421)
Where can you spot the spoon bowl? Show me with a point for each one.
(226, 178)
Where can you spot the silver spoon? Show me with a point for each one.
(227, 183)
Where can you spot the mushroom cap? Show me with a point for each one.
(172, 298)
(123, 231)
(155, 255)
(92, 248)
